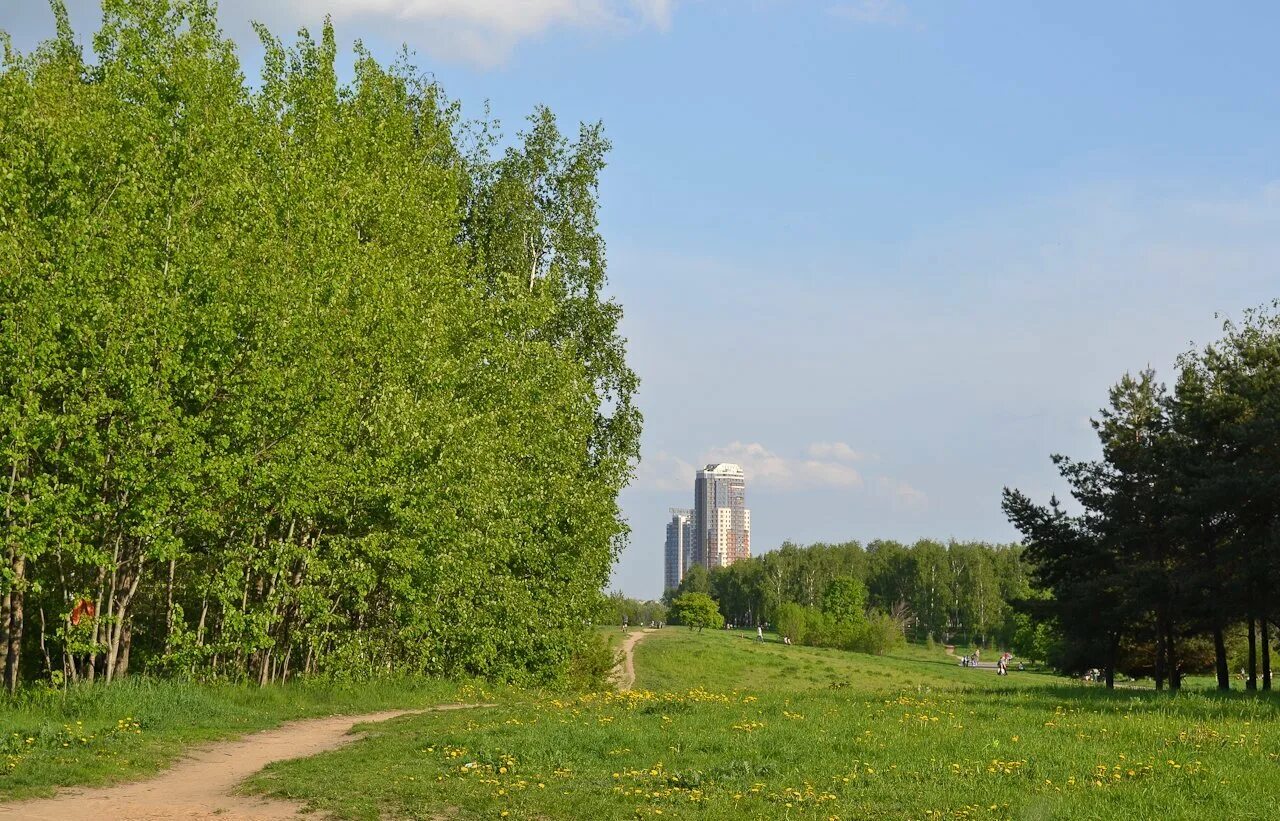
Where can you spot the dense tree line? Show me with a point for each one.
(951, 592)
(617, 608)
(1175, 549)
(295, 375)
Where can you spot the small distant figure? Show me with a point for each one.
(624, 625)
(1021, 667)
(760, 634)
(786, 639)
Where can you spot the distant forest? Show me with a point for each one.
(950, 592)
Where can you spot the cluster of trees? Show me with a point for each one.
(1175, 549)
(950, 592)
(295, 375)
(842, 620)
(696, 611)
(617, 607)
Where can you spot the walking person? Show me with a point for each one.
(760, 633)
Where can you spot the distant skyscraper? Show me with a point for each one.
(679, 545)
(722, 522)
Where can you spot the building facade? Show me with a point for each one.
(679, 545)
(722, 522)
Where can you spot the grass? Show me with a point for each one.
(719, 727)
(724, 728)
(97, 735)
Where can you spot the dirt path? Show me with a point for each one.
(198, 787)
(624, 673)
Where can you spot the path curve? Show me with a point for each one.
(199, 786)
(624, 672)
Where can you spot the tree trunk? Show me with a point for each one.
(13, 655)
(1112, 652)
(44, 648)
(1252, 683)
(126, 642)
(1220, 659)
(168, 612)
(121, 626)
(6, 609)
(1160, 650)
(1266, 653)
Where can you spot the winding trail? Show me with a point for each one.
(199, 786)
(624, 672)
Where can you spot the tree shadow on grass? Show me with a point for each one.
(1196, 704)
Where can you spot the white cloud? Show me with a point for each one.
(835, 450)
(873, 12)
(664, 471)
(485, 31)
(764, 468)
(901, 494)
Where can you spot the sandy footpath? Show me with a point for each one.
(199, 786)
(624, 674)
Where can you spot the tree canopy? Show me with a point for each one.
(295, 375)
(1174, 549)
(696, 610)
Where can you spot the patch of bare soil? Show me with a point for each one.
(624, 673)
(200, 785)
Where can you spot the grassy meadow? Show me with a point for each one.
(722, 727)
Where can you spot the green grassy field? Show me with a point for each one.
(96, 735)
(721, 727)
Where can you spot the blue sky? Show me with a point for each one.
(888, 254)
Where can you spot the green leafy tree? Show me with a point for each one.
(845, 601)
(696, 610)
(296, 376)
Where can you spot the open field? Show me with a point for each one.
(720, 727)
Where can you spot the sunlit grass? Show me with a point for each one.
(722, 727)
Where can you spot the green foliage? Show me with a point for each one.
(615, 608)
(958, 591)
(791, 620)
(879, 634)
(1174, 550)
(845, 601)
(590, 664)
(696, 580)
(295, 376)
(696, 610)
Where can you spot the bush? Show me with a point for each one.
(590, 664)
(696, 610)
(791, 620)
(879, 634)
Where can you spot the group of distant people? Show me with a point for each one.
(1002, 663)
(626, 626)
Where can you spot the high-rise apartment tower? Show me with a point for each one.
(722, 523)
(679, 545)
